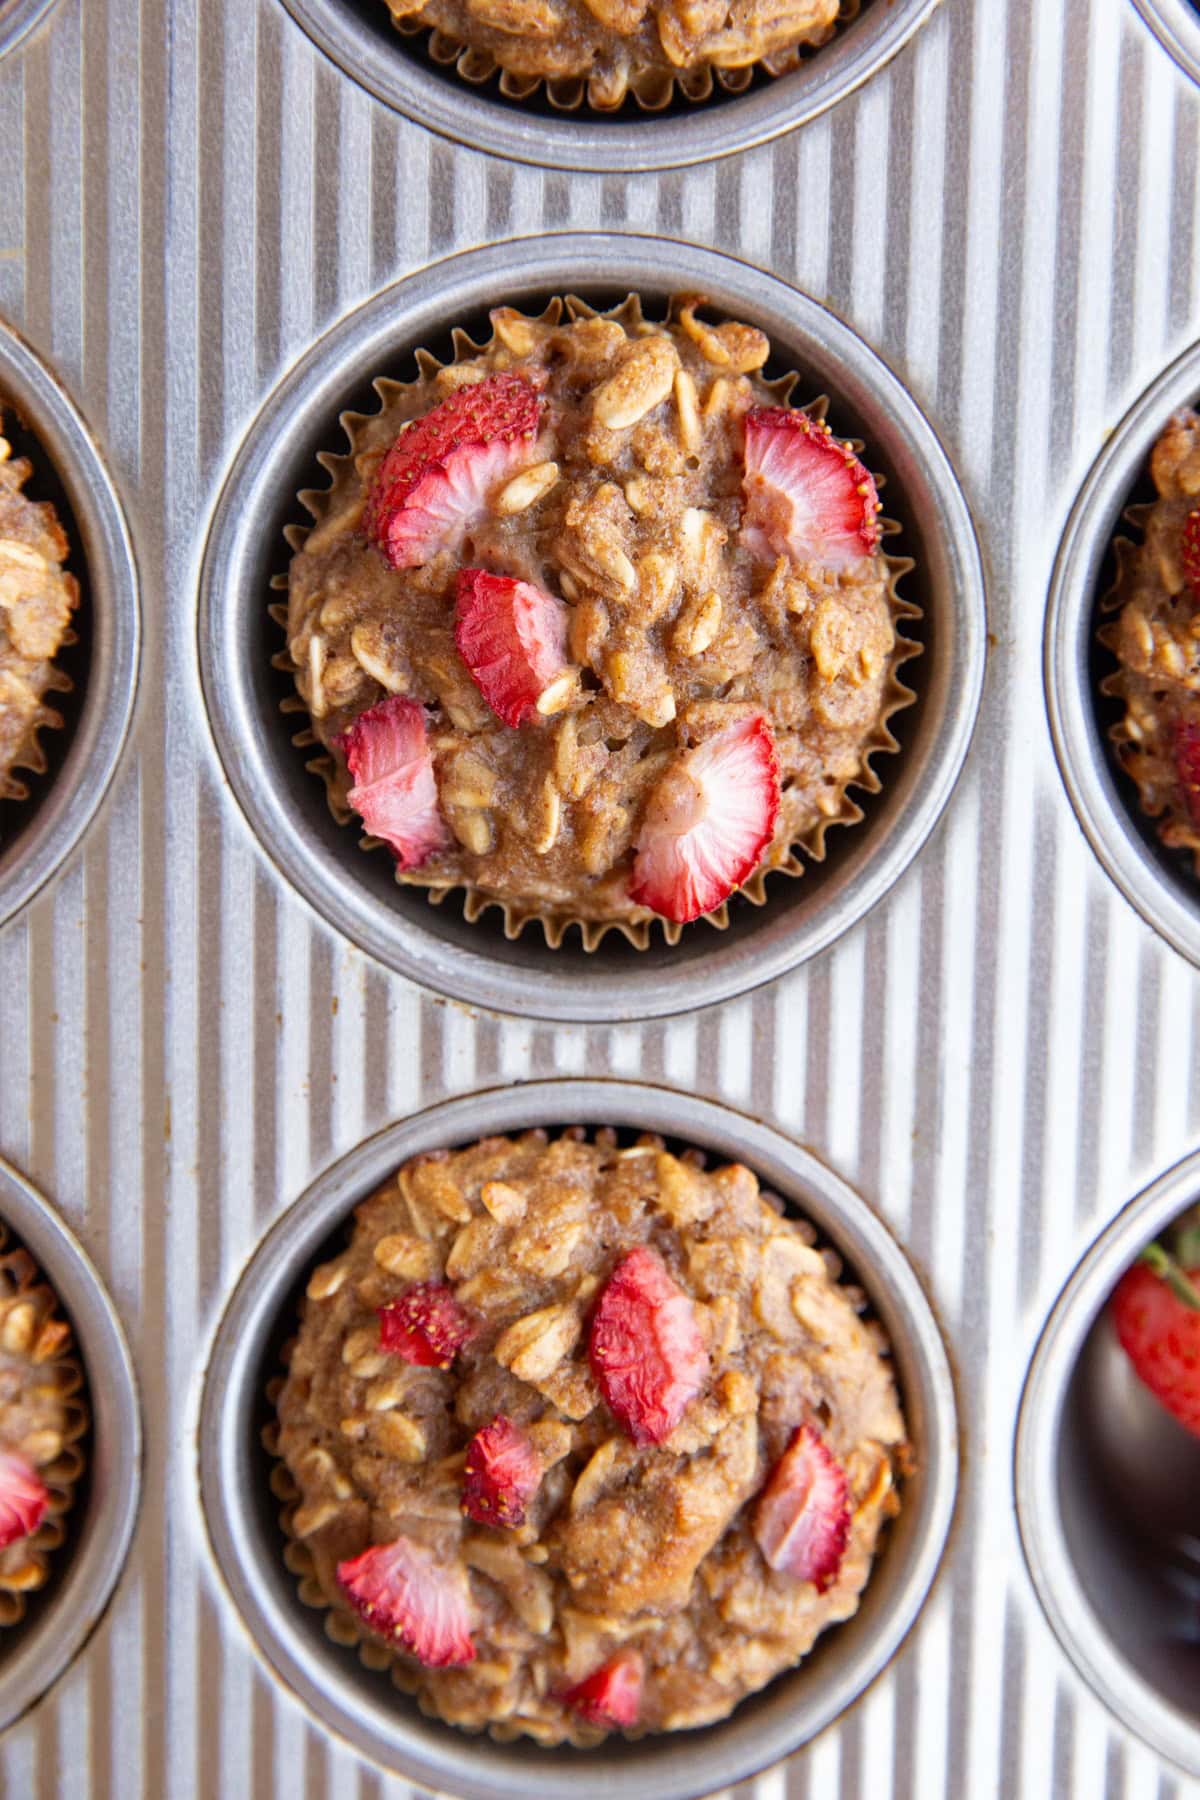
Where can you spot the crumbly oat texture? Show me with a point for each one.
(625, 1547)
(631, 511)
(43, 1417)
(1156, 639)
(37, 597)
(600, 51)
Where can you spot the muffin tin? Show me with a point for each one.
(203, 232)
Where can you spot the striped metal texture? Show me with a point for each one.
(997, 1058)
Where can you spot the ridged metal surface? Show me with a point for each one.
(999, 1056)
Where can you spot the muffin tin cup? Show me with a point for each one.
(1176, 25)
(358, 36)
(363, 1707)
(434, 945)
(18, 18)
(85, 1569)
(1106, 804)
(1061, 1504)
(52, 822)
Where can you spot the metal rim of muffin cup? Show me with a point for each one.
(1061, 1505)
(85, 1570)
(364, 1708)
(18, 19)
(371, 52)
(1105, 802)
(63, 807)
(435, 946)
(1176, 25)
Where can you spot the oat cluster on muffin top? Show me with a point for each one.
(37, 597)
(592, 625)
(1156, 639)
(603, 50)
(579, 1438)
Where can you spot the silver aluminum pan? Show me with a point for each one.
(1165, 894)
(1176, 25)
(62, 808)
(364, 1708)
(359, 37)
(18, 18)
(85, 1570)
(358, 895)
(1046, 1482)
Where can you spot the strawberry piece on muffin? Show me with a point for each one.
(1187, 765)
(612, 1695)
(402, 1592)
(427, 1326)
(807, 495)
(645, 1347)
(802, 1520)
(1191, 551)
(395, 790)
(513, 639)
(503, 1472)
(23, 1499)
(1156, 1311)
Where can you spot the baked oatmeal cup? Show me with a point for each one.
(1155, 638)
(577, 1438)
(600, 53)
(37, 598)
(593, 625)
(43, 1417)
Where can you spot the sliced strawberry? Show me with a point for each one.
(1187, 766)
(513, 639)
(807, 495)
(1191, 551)
(402, 1592)
(1160, 1333)
(645, 1347)
(802, 1519)
(708, 822)
(23, 1499)
(395, 792)
(435, 480)
(503, 1472)
(426, 1326)
(612, 1694)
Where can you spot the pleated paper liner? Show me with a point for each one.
(31, 1328)
(341, 1625)
(368, 432)
(651, 89)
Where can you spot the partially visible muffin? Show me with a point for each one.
(1156, 640)
(43, 1417)
(37, 598)
(578, 1438)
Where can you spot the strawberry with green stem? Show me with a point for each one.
(1156, 1311)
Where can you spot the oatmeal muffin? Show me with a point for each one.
(578, 1439)
(1156, 640)
(603, 50)
(42, 1420)
(593, 626)
(37, 597)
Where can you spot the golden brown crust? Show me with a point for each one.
(639, 530)
(622, 1545)
(37, 597)
(1155, 638)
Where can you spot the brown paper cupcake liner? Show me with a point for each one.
(342, 1626)
(30, 1326)
(840, 808)
(650, 90)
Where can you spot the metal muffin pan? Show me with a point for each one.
(1094, 1454)
(359, 37)
(1176, 25)
(87, 1566)
(364, 1707)
(1160, 886)
(61, 806)
(18, 18)
(357, 894)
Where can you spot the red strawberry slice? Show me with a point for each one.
(426, 1326)
(612, 1694)
(802, 1519)
(435, 480)
(645, 1347)
(807, 494)
(395, 791)
(708, 822)
(513, 639)
(1191, 551)
(503, 1472)
(402, 1592)
(1160, 1333)
(1187, 766)
(23, 1499)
